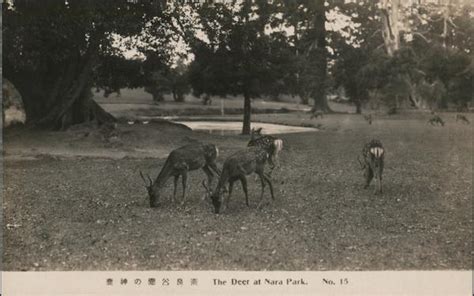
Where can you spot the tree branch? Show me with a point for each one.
(422, 36)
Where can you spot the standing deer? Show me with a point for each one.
(462, 118)
(373, 162)
(237, 167)
(436, 120)
(270, 144)
(179, 163)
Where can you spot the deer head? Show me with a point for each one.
(214, 196)
(255, 133)
(151, 193)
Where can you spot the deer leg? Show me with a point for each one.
(380, 184)
(269, 185)
(231, 186)
(176, 178)
(271, 164)
(368, 174)
(262, 180)
(243, 180)
(184, 177)
(379, 179)
(270, 161)
(210, 175)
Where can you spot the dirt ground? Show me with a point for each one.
(74, 200)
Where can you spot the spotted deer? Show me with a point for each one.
(179, 162)
(237, 167)
(462, 118)
(436, 120)
(270, 144)
(373, 155)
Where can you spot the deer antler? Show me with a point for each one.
(362, 164)
(149, 179)
(144, 180)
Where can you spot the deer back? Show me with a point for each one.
(245, 162)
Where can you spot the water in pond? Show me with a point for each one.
(235, 127)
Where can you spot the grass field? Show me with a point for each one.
(137, 103)
(76, 202)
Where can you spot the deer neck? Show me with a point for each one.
(163, 176)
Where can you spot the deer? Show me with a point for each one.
(316, 114)
(270, 144)
(462, 118)
(368, 118)
(237, 167)
(436, 120)
(179, 162)
(373, 154)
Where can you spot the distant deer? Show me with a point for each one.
(270, 144)
(237, 167)
(462, 118)
(179, 163)
(373, 162)
(316, 114)
(436, 120)
(368, 118)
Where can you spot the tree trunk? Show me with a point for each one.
(156, 93)
(318, 52)
(446, 16)
(304, 98)
(391, 31)
(358, 106)
(71, 98)
(247, 114)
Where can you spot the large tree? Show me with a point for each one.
(52, 48)
(317, 53)
(236, 57)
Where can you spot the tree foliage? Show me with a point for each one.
(430, 66)
(52, 48)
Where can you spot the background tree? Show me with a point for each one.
(236, 59)
(115, 72)
(352, 46)
(317, 54)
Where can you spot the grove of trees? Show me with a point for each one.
(55, 52)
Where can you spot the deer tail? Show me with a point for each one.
(278, 143)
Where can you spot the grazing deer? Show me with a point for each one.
(179, 163)
(316, 114)
(462, 118)
(373, 161)
(368, 118)
(436, 120)
(271, 145)
(237, 167)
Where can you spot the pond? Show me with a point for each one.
(235, 127)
